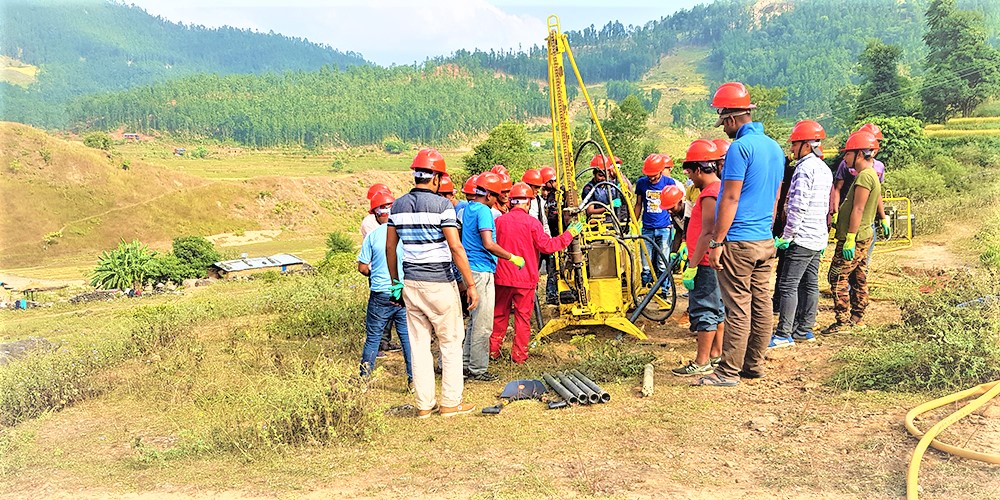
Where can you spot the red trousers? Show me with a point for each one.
(521, 301)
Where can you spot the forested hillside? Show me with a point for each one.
(361, 105)
(89, 46)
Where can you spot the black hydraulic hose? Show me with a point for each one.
(592, 396)
(605, 397)
(571, 387)
(631, 268)
(560, 389)
(640, 309)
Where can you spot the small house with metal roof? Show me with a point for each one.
(243, 267)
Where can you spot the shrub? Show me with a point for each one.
(956, 176)
(338, 242)
(200, 152)
(123, 267)
(904, 138)
(196, 253)
(946, 340)
(98, 140)
(165, 267)
(395, 146)
(918, 183)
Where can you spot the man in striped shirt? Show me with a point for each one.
(804, 237)
(427, 226)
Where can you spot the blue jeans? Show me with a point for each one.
(662, 238)
(798, 291)
(705, 306)
(379, 313)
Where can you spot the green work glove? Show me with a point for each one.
(575, 228)
(886, 228)
(780, 243)
(833, 219)
(396, 290)
(616, 203)
(849, 244)
(683, 253)
(688, 277)
(822, 253)
(517, 261)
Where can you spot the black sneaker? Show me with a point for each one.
(750, 375)
(837, 327)
(392, 347)
(485, 377)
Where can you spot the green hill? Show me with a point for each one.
(90, 46)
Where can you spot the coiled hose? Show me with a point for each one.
(986, 392)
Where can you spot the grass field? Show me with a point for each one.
(16, 72)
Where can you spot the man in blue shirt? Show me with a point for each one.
(381, 310)
(479, 240)
(742, 246)
(657, 225)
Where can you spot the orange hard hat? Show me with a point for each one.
(618, 160)
(655, 164)
(732, 95)
(670, 196)
(490, 182)
(600, 161)
(505, 182)
(861, 140)
(874, 129)
(499, 169)
(807, 130)
(532, 177)
(702, 150)
(380, 199)
(378, 188)
(429, 159)
(447, 186)
(548, 173)
(521, 190)
(470, 186)
(723, 146)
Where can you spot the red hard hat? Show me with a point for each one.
(532, 177)
(378, 188)
(618, 160)
(429, 159)
(600, 161)
(656, 163)
(670, 196)
(702, 150)
(505, 182)
(732, 95)
(490, 182)
(548, 173)
(380, 199)
(723, 146)
(499, 169)
(522, 190)
(807, 130)
(874, 129)
(470, 185)
(861, 140)
(447, 186)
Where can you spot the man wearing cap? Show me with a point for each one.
(848, 275)
(516, 285)
(479, 236)
(657, 226)
(742, 247)
(426, 225)
(381, 310)
(803, 238)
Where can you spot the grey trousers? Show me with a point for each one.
(476, 350)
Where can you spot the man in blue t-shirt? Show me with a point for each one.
(657, 225)
(742, 246)
(480, 242)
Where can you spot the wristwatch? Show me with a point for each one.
(715, 244)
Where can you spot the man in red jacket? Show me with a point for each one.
(515, 288)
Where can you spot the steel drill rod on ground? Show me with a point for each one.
(592, 396)
(566, 382)
(559, 389)
(605, 397)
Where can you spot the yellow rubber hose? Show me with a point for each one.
(987, 391)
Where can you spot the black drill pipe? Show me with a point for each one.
(571, 387)
(592, 396)
(605, 397)
(559, 389)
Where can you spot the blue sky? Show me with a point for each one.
(403, 32)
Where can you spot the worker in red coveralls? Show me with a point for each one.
(515, 288)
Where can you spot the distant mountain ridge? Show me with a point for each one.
(92, 46)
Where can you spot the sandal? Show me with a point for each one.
(716, 380)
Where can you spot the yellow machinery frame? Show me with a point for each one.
(594, 264)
